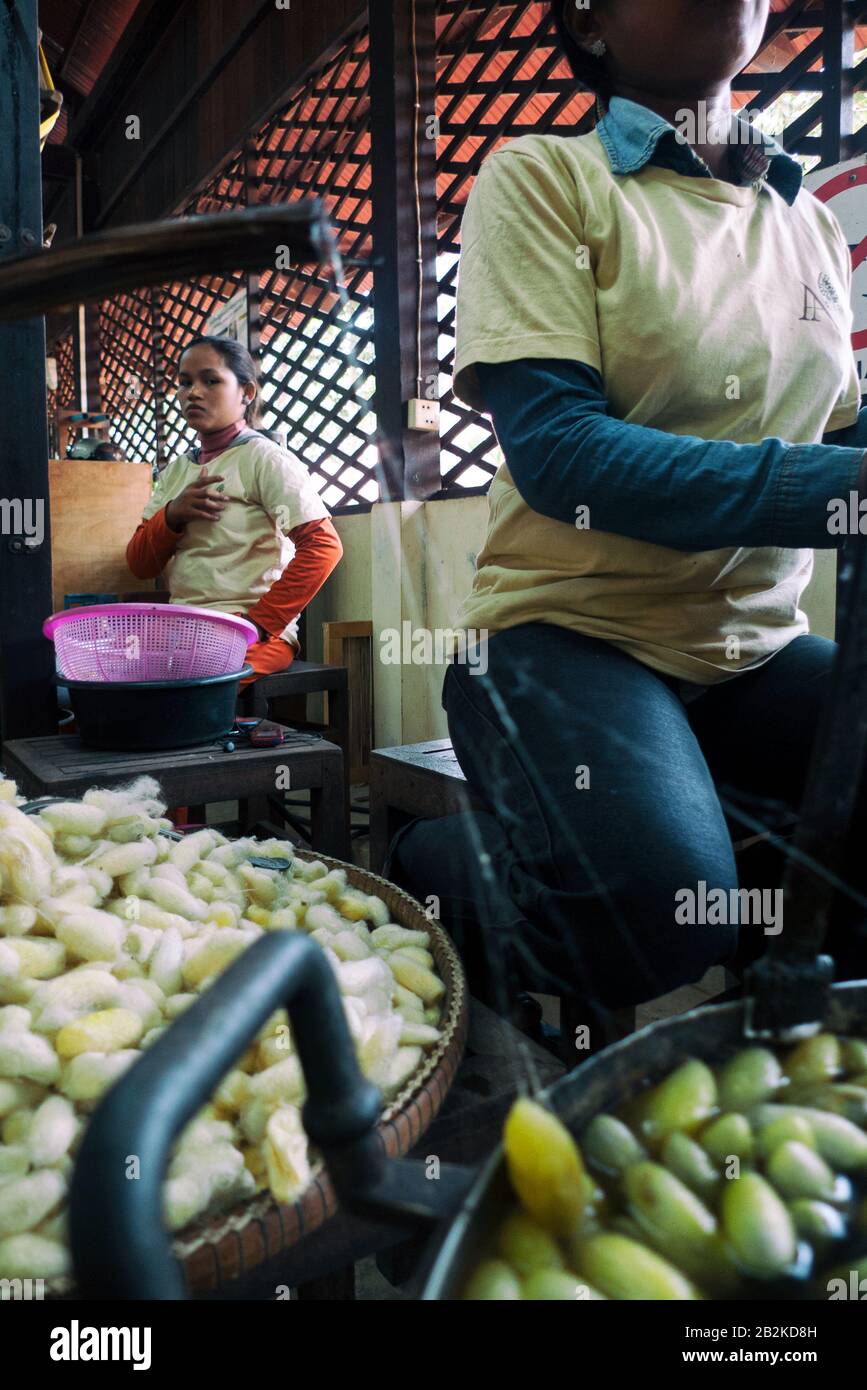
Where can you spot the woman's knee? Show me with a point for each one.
(456, 856)
(268, 658)
(686, 921)
(638, 928)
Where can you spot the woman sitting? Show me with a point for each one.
(223, 537)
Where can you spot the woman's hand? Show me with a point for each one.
(195, 503)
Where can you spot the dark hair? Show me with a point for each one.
(590, 71)
(239, 362)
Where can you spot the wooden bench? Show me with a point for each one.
(417, 779)
(425, 780)
(60, 765)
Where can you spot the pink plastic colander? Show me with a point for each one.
(147, 642)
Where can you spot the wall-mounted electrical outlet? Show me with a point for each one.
(423, 415)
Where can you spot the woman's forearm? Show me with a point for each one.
(152, 546)
(565, 452)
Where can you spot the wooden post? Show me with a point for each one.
(838, 56)
(28, 704)
(403, 191)
(254, 297)
(85, 344)
(85, 330)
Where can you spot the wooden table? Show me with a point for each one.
(63, 766)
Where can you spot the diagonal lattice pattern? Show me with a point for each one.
(315, 344)
(127, 372)
(65, 395)
(65, 359)
(499, 76)
(186, 306)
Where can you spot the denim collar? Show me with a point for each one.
(633, 135)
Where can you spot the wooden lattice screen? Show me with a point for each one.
(499, 75)
(127, 326)
(316, 352)
(63, 356)
(184, 308)
(65, 395)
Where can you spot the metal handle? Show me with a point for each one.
(104, 263)
(120, 1247)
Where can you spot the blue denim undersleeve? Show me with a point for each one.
(563, 450)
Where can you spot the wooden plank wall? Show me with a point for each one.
(102, 501)
(350, 644)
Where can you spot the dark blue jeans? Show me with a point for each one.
(603, 792)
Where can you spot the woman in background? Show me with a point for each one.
(223, 537)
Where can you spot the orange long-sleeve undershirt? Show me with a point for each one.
(317, 550)
(152, 546)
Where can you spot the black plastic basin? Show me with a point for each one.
(126, 716)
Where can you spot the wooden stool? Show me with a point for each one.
(305, 678)
(417, 779)
(63, 766)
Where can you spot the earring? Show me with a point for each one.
(597, 48)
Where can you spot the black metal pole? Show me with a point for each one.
(838, 56)
(27, 699)
(788, 987)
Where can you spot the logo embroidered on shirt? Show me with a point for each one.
(812, 302)
(812, 305)
(826, 288)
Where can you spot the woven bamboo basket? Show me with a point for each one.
(216, 1250)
